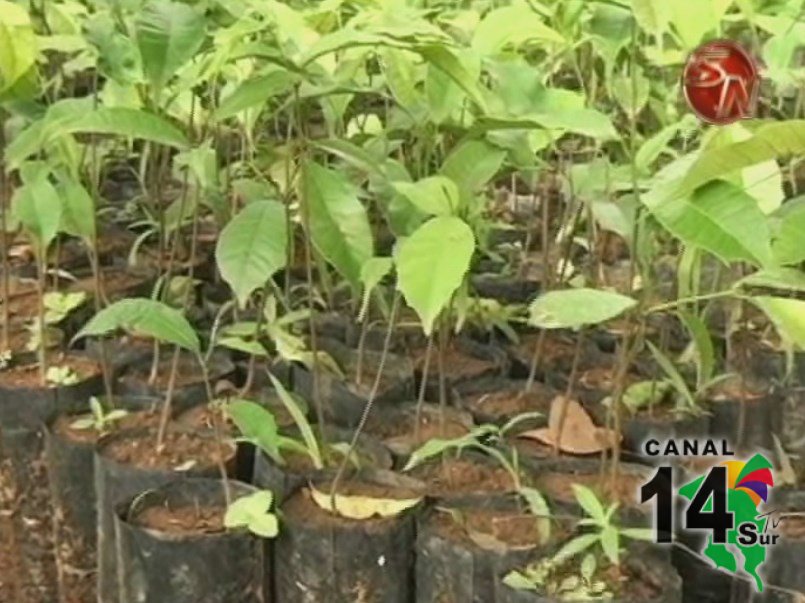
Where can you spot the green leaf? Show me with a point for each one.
(472, 164)
(78, 210)
(352, 154)
(435, 195)
(168, 35)
(574, 308)
(18, 46)
(252, 512)
(257, 425)
(646, 534)
(372, 272)
(775, 278)
(610, 542)
(446, 60)
(673, 374)
(256, 92)
(518, 581)
(720, 218)
(774, 140)
(145, 317)
(511, 25)
(432, 263)
(298, 416)
(339, 225)
(703, 342)
(253, 347)
(252, 247)
(787, 244)
(38, 208)
(538, 507)
(574, 547)
(788, 316)
(587, 122)
(651, 15)
(589, 502)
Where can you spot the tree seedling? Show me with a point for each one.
(98, 419)
(253, 513)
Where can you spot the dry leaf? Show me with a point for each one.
(362, 507)
(579, 434)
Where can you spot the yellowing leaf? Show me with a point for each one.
(362, 507)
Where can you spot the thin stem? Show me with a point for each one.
(370, 400)
(571, 384)
(6, 269)
(421, 397)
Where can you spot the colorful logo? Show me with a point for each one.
(726, 501)
(721, 82)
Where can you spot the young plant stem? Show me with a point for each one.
(361, 346)
(258, 325)
(571, 385)
(6, 267)
(43, 336)
(370, 400)
(217, 433)
(535, 358)
(443, 335)
(423, 383)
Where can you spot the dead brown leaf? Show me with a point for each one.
(579, 434)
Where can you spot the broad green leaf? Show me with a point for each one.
(339, 225)
(587, 122)
(774, 140)
(589, 502)
(246, 346)
(651, 15)
(37, 206)
(143, 316)
(299, 418)
(432, 263)
(627, 93)
(362, 507)
(511, 25)
(787, 246)
(776, 278)
(353, 155)
(441, 57)
(641, 394)
(256, 92)
(400, 69)
(788, 316)
(646, 534)
(652, 148)
(168, 35)
(435, 195)
(720, 218)
(257, 425)
(253, 512)
(372, 272)
(472, 164)
(574, 308)
(252, 247)
(78, 210)
(18, 44)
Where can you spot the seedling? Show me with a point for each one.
(57, 307)
(61, 375)
(98, 419)
(253, 513)
(565, 577)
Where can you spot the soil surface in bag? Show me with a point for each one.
(462, 551)
(320, 556)
(499, 400)
(173, 547)
(468, 476)
(126, 464)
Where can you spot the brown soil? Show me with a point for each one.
(180, 448)
(183, 520)
(457, 363)
(792, 527)
(27, 376)
(508, 404)
(114, 281)
(463, 476)
(533, 448)
(63, 426)
(399, 433)
(737, 389)
(602, 378)
(512, 528)
(623, 582)
(558, 486)
(203, 418)
(557, 350)
(188, 372)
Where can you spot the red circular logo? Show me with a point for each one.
(721, 82)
